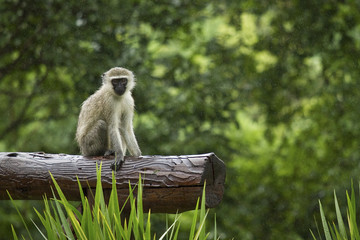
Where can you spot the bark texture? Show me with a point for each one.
(170, 183)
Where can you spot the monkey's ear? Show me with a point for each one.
(103, 77)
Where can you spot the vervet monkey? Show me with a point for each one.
(105, 121)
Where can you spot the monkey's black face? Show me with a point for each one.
(119, 85)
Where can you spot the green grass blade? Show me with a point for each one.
(131, 190)
(63, 219)
(337, 234)
(317, 228)
(81, 191)
(99, 195)
(53, 225)
(70, 211)
(103, 221)
(108, 230)
(39, 230)
(127, 230)
(167, 224)
(61, 213)
(113, 206)
(42, 219)
(46, 222)
(133, 221)
(353, 201)
(21, 217)
(173, 229)
(201, 231)
(13, 232)
(99, 208)
(46, 211)
(166, 232)
(324, 223)
(140, 211)
(86, 220)
(83, 199)
(193, 225)
(120, 230)
(131, 194)
(339, 218)
(202, 213)
(77, 228)
(354, 232)
(147, 233)
(215, 227)
(177, 232)
(54, 219)
(333, 231)
(312, 234)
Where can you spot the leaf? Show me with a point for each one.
(354, 232)
(172, 225)
(21, 217)
(339, 218)
(140, 212)
(39, 230)
(202, 213)
(324, 223)
(13, 232)
(147, 234)
(64, 222)
(215, 227)
(193, 225)
(312, 234)
(201, 232)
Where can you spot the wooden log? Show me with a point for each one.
(170, 183)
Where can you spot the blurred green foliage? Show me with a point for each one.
(272, 87)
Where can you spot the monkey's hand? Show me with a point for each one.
(119, 161)
(109, 153)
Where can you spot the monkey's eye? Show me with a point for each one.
(123, 80)
(116, 81)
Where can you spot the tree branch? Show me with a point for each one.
(170, 183)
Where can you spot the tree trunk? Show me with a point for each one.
(170, 183)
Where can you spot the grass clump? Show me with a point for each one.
(61, 220)
(340, 231)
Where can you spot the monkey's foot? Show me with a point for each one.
(116, 165)
(109, 153)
